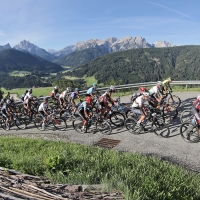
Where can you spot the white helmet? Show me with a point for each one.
(8, 101)
(56, 87)
(112, 87)
(159, 83)
(68, 89)
(146, 94)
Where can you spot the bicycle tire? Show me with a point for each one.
(190, 132)
(77, 125)
(59, 124)
(161, 130)
(3, 124)
(38, 123)
(117, 119)
(186, 116)
(170, 112)
(21, 123)
(104, 127)
(176, 101)
(132, 126)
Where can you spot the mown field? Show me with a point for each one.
(138, 177)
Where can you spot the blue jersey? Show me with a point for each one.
(73, 95)
(90, 90)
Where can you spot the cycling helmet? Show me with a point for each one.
(146, 94)
(30, 90)
(45, 98)
(89, 99)
(143, 89)
(68, 89)
(11, 98)
(8, 101)
(56, 87)
(159, 83)
(94, 85)
(76, 90)
(25, 91)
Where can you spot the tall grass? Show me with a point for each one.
(138, 177)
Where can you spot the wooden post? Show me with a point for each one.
(186, 86)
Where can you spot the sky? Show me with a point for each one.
(55, 24)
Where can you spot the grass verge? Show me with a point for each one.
(138, 177)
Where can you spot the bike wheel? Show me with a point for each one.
(117, 119)
(78, 126)
(186, 116)
(174, 101)
(190, 132)
(132, 126)
(38, 123)
(59, 124)
(161, 130)
(104, 127)
(170, 112)
(20, 123)
(3, 124)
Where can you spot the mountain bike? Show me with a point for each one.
(16, 120)
(57, 122)
(190, 131)
(94, 123)
(158, 125)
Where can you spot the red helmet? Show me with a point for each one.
(143, 89)
(89, 99)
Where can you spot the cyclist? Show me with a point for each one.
(42, 110)
(63, 95)
(90, 92)
(85, 111)
(166, 84)
(54, 92)
(138, 93)
(7, 112)
(73, 96)
(156, 94)
(30, 91)
(23, 95)
(28, 104)
(138, 108)
(104, 101)
(7, 96)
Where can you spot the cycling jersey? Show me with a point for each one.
(43, 106)
(73, 95)
(139, 101)
(27, 96)
(64, 94)
(196, 104)
(53, 93)
(90, 90)
(84, 106)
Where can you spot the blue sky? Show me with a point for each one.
(55, 24)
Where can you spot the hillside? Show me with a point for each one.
(81, 57)
(143, 65)
(11, 59)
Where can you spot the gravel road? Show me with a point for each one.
(173, 149)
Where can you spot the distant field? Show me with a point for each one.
(19, 73)
(43, 91)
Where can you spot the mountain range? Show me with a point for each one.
(106, 46)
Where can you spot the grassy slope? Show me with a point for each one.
(138, 177)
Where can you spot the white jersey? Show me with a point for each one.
(153, 90)
(27, 96)
(139, 101)
(64, 94)
(43, 106)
